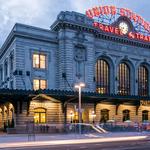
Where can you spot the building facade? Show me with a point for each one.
(39, 66)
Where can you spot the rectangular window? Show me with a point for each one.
(39, 61)
(11, 64)
(39, 84)
(5, 69)
(42, 84)
(11, 85)
(1, 74)
(42, 61)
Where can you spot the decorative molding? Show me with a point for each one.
(100, 34)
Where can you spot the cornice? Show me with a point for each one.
(24, 35)
(99, 34)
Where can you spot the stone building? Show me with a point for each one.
(39, 69)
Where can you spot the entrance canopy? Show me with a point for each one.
(64, 97)
(8, 95)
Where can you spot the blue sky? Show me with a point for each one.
(42, 13)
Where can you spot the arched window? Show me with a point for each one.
(104, 115)
(123, 79)
(144, 115)
(143, 81)
(39, 115)
(126, 115)
(102, 76)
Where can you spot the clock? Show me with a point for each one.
(124, 27)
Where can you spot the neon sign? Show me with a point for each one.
(117, 31)
(97, 12)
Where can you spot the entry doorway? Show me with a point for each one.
(39, 115)
(126, 115)
(104, 115)
(144, 115)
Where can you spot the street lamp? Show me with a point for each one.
(79, 86)
(93, 116)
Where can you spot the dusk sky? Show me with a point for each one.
(42, 13)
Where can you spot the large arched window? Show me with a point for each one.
(102, 76)
(104, 115)
(126, 115)
(143, 81)
(144, 115)
(39, 115)
(123, 79)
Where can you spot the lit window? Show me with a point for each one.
(143, 83)
(36, 84)
(39, 61)
(40, 115)
(42, 84)
(39, 84)
(102, 77)
(42, 61)
(123, 79)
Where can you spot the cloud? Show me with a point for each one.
(42, 13)
(13, 11)
(33, 12)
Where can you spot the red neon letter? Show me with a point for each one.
(122, 11)
(101, 26)
(111, 29)
(146, 38)
(106, 10)
(139, 19)
(113, 10)
(101, 10)
(146, 26)
(137, 35)
(141, 37)
(131, 35)
(128, 13)
(95, 24)
(89, 13)
(134, 17)
(149, 38)
(116, 31)
(96, 11)
(106, 29)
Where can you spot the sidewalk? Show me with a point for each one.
(21, 140)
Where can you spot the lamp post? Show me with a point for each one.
(79, 87)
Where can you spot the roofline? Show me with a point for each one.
(14, 33)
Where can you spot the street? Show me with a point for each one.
(126, 145)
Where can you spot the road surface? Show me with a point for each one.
(124, 145)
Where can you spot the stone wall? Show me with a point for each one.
(119, 116)
(54, 115)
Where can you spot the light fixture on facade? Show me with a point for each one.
(93, 116)
(71, 115)
(79, 86)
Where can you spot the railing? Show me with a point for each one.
(85, 128)
(126, 126)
